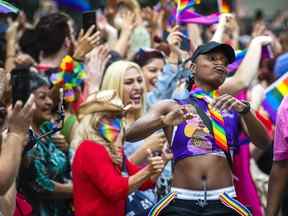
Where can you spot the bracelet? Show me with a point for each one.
(246, 109)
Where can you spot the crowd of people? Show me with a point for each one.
(140, 115)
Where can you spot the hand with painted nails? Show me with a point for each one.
(228, 102)
(20, 117)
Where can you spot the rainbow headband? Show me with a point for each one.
(70, 76)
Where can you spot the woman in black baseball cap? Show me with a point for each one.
(203, 132)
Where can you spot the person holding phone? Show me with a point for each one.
(15, 124)
(45, 173)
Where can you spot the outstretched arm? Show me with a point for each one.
(248, 69)
(151, 121)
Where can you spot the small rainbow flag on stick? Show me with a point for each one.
(184, 13)
(185, 4)
(224, 6)
(274, 95)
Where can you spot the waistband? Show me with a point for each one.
(186, 194)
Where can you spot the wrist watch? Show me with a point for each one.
(246, 109)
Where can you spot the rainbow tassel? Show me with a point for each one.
(70, 76)
(156, 210)
(235, 205)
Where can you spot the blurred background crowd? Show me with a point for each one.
(46, 38)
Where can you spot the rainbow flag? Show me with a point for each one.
(189, 16)
(224, 6)
(182, 5)
(77, 5)
(274, 95)
(6, 7)
(185, 15)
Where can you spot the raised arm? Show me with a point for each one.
(248, 69)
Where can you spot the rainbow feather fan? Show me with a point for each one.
(70, 76)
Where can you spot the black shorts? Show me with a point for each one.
(179, 207)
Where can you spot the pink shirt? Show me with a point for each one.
(281, 132)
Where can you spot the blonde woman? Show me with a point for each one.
(127, 79)
(100, 188)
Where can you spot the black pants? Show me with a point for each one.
(192, 208)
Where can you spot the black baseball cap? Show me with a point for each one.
(227, 50)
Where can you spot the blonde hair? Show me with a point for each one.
(114, 79)
(87, 130)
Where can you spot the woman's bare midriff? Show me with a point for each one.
(190, 172)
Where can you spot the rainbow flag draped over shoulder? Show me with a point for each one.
(274, 95)
(184, 13)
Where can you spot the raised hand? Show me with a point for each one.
(129, 22)
(98, 59)
(86, 42)
(174, 40)
(228, 21)
(262, 40)
(228, 102)
(20, 118)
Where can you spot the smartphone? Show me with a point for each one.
(20, 78)
(89, 19)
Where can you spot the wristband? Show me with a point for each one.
(246, 109)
